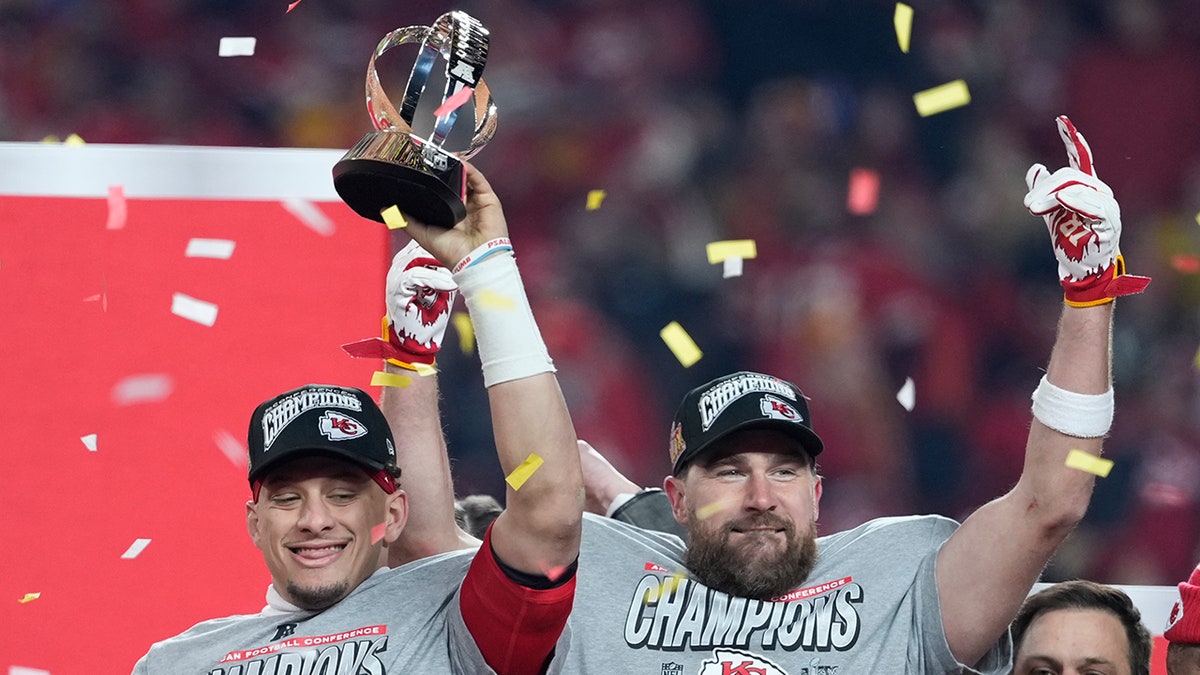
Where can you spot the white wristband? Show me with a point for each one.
(1078, 415)
(510, 344)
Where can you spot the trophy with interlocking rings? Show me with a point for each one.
(393, 166)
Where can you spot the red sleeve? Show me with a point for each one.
(515, 627)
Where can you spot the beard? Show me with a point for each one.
(756, 568)
(317, 598)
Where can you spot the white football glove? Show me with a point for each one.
(1084, 221)
(420, 294)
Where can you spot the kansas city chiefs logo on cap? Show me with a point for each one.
(778, 409)
(338, 427)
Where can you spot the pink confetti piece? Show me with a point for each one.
(377, 532)
(135, 549)
(89, 442)
(451, 104)
(233, 449)
(142, 388)
(552, 572)
(1185, 263)
(117, 209)
(292, 6)
(863, 196)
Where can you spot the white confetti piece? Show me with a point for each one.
(732, 267)
(89, 441)
(308, 213)
(135, 549)
(236, 46)
(907, 396)
(231, 447)
(193, 309)
(142, 388)
(221, 249)
(22, 670)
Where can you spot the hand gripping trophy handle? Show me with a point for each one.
(392, 166)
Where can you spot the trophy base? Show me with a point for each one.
(392, 168)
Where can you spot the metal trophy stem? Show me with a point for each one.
(392, 166)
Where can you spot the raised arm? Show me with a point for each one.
(986, 568)
(420, 294)
(535, 542)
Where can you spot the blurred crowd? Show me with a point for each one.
(706, 120)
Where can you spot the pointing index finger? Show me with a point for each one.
(1079, 154)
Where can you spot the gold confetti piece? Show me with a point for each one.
(1196, 360)
(384, 379)
(1198, 218)
(907, 396)
(1078, 459)
(709, 510)
(393, 218)
(681, 344)
(863, 195)
(236, 46)
(29, 597)
(117, 208)
(89, 442)
(903, 18)
(377, 532)
(192, 309)
(522, 473)
(718, 251)
(74, 139)
(424, 369)
(732, 267)
(594, 198)
(135, 549)
(489, 298)
(50, 139)
(466, 331)
(220, 249)
(942, 98)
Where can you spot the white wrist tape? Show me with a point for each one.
(510, 344)
(1078, 415)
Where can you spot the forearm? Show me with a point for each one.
(413, 414)
(541, 524)
(1080, 363)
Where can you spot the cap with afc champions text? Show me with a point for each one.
(320, 419)
(736, 402)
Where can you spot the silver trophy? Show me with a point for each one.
(392, 166)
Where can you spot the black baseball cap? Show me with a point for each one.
(321, 419)
(742, 400)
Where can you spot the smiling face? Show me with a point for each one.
(1074, 642)
(750, 505)
(313, 522)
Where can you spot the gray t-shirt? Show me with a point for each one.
(405, 620)
(869, 606)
